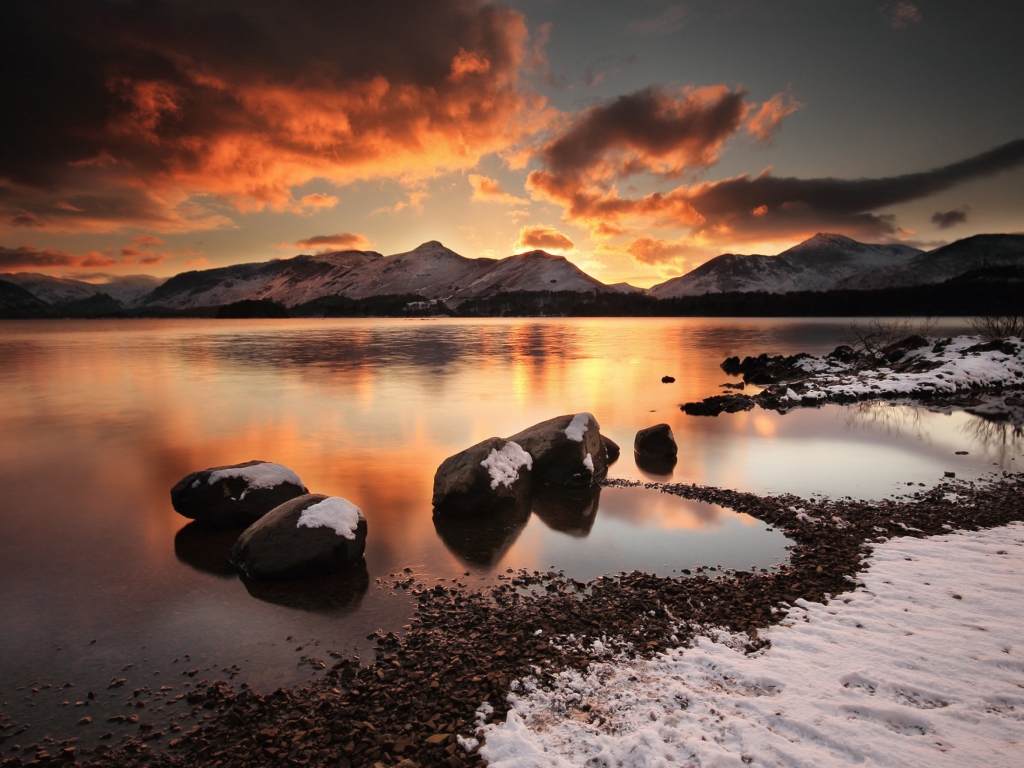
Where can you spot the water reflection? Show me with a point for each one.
(206, 549)
(337, 593)
(481, 539)
(571, 511)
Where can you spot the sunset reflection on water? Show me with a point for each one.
(101, 418)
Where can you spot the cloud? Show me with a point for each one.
(668, 21)
(665, 135)
(201, 261)
(342, 241)
(487, 189)
(154, 114)
(543, 238)
(650, 132)
(947, 219)
(764, 123)
(901, 14)
(29, 258)
(649, 250)
(141, 251)
(314, 202)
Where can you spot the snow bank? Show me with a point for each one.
(503, 466)
(263, 475)
(333, 512)
(957, 369)
(578, 427)
(922, 665)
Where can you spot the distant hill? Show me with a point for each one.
(433, 279)
(16, 302)
(430, 271)
(817, 264)
(963, 256)
(61, 290)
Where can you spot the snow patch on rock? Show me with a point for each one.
(578, 427)
(263, 475)
(503, 466)
(333, 512)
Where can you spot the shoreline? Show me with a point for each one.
(465, 647)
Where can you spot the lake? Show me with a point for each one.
(100, 579)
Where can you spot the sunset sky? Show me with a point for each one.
(638, 138)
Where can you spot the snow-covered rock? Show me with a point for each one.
(307, 535)
(491, 474)
(567, 450)
(235, 495)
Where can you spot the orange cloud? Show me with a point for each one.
(341, 241)
(901, 14)
(201, 261)
(649, 250)
(764, 123)
(487, 189)
(141, 251)
(245, 104)
(29, 258)
(543, 238)
(315, 202)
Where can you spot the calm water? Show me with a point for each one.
(101, 418)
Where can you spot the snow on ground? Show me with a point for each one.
(958, 369)
(333, 512)
(921, 665)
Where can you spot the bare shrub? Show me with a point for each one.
(879, 333)
(995, 327)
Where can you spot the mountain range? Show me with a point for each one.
(435, 273)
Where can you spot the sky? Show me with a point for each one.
(638, 139)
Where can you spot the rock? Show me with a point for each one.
(667, 379)
(235, 495)
(567, 450)
(307, 535)
(712, 406)
(656, 443)
(899, 349)
(491, 474)
(844, 353)
(611, 449)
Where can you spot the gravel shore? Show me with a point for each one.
(465, 648)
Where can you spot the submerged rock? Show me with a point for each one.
(657, 443)
(567, 450)
(235, 495)
(307, 535)
(494, 473)
(712, 406)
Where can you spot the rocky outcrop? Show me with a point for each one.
(566, 450)
(236, 495)
(308, 535)
(495, 472)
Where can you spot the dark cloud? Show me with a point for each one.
(900, 14)
(947, 219)
(29, 258)
(545, 238)
(651, 131)
(243, 99)
(771, 205)
(345, 240)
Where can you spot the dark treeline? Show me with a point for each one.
(992, 291)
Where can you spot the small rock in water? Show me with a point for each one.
(961, 453)
(949, 474)
(667, 379)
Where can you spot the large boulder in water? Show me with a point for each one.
(491, 474)
(307, 535)
(657, 443)
(236, 495)
(566, 450)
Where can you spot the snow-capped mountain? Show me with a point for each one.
(60, 290)
(816, 264)
(431, 271)
(937, 266)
